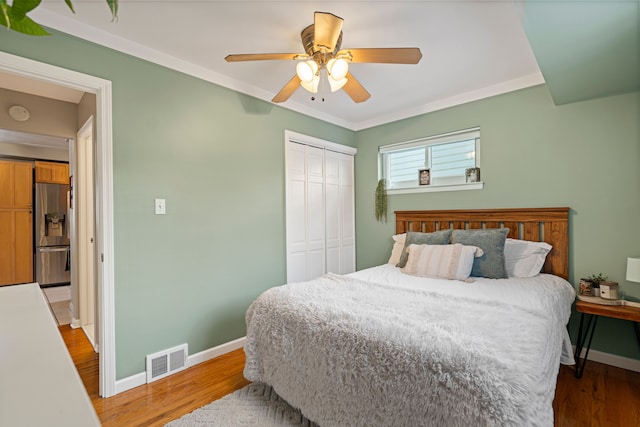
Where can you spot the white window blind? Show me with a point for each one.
(447, 157)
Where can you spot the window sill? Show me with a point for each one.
(437, 188)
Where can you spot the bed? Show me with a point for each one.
(381, 347)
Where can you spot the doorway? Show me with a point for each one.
(104, 235)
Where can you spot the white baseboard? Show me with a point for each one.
(130, 382)
(613, 360)
(214, 352)
(75, 323)
(139, 379)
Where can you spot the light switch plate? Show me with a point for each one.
(161, 206)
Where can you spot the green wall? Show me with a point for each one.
(534, 154)
(217, 157)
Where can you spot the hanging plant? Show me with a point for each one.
(14, 15)
(381, 201)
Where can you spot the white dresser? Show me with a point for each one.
(39, 385)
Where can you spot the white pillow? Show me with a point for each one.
(523, 258)
(453, 262)
(398, 246)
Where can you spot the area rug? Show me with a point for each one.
(254, 405)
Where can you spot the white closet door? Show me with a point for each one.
(320, 221)
(333, 211)
(315, 213)
(296, 213)
(305, 212)
(340, 235)
(347, 215)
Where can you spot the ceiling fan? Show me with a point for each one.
(321, 41)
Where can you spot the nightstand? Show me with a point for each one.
(592, 311)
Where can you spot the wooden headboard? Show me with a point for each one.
(536, 224)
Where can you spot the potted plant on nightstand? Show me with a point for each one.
(595, 280)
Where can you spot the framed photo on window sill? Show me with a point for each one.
(424, 176)
(472, 175)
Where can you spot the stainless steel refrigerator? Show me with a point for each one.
(53, 257)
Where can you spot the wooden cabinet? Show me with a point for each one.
(55, 173)
(16, 222)
(16, 250)
(15, 185)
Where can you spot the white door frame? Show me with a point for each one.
(104, 196)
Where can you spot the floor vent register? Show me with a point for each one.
(166, 362)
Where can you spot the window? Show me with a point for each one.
(447, 157)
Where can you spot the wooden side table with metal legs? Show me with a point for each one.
(591, 312)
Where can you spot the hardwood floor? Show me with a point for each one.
(163, 400)
(605, 396)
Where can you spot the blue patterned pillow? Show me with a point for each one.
(490, 265)
(441, 237)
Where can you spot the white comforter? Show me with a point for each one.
(379, 348)
(544, 292)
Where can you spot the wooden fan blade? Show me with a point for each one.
(327, 28)
(355, 90)
(287, 90)
(264, 57)
(391, 55)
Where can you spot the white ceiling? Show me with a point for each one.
(471, 49)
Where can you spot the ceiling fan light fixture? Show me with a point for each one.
(311, 86)
(338, 68)
(337, 84)
(322, 42)
(306, 71)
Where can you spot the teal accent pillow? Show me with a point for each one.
(441, 237)
(490, 265)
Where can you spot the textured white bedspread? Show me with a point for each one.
(544, 292)
(387, 351)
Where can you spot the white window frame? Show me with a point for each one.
(443, 184)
